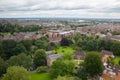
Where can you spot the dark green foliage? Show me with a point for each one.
(20, 48)
(53, 46)
(39, 58)
(3, 66)
(62, 68)
(20, 60)
(106, 44)
(89, 45)
(81, 71)
(95, 44)
(27, 44)
(42, 43)
(65, 42)
(8, 48)
(93, 64)
(116, 48)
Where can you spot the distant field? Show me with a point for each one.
(41, 76)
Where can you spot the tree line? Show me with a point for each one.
(81, 42)
(10, 48)
(17, 28)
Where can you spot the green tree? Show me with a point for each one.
(62, 68)
(20, 48)
(81, 72)
(53, 46)
(65, 42)
(93, 64)
(8, 46)
(33, 49)
(39, 57)
(42, 44)
(20, 60)
(27, 44)
(3, 66)
(16, 73)
(116, 48)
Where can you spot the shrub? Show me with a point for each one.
(42, 69)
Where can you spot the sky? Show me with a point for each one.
(60, 8)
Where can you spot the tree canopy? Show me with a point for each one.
(39, 57)
(20, 60)
(3, 66)
(93, 64)
(62, 68)
(16, 73)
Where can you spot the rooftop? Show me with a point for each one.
(61, 31)
(105, 52)
(55, 56)
(49, 52)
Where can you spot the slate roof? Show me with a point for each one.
(49, 52)
(105, 52)
(55, 56)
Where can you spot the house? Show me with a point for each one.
(111, 72)
(105, 54)
(52, 57)
(79, 55)
(102, 36)
(22, 36)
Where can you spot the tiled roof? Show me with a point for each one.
(105, 52)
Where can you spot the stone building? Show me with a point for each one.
(52, 57)
(57, 35)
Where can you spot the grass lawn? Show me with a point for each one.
(116, 60)
(40, 76)
(67, 52)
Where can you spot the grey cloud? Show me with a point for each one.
(112, 9)
(45, 5)
(29, 8)
(116, 9)
(58, 7)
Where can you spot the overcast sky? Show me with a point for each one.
(60, 8)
